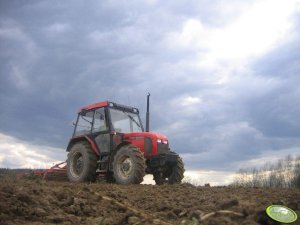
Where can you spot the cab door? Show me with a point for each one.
(100, 130)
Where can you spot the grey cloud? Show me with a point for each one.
(58, 56)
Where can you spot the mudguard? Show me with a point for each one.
(84, 138)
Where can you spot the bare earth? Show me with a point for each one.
(26, 201)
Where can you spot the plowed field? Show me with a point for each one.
(25, 201)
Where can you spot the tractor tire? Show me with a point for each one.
(81, 163)
(173, 174)
(129, 165)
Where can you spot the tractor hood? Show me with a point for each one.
(151, 135)
(152, 144)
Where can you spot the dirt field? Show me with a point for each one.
(25, 201)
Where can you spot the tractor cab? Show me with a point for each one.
(101, 122)
(107, 116)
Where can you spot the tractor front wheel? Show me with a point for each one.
(172, 175)
(129, 165)
(81, 163)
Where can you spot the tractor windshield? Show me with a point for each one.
(125, 122)
(84, 124)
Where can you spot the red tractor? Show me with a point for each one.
(109, 140)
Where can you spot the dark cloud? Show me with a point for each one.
(56, 57)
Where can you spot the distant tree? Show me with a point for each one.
(296, 173)
(285, 173)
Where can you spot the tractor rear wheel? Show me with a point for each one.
(129, 165)
(81, 163)
(172, 175)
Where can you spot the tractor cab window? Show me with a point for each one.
(125, 122)
(99, 121)
(85, 121)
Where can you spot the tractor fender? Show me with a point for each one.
(84, 138)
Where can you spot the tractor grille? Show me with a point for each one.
(162, 148)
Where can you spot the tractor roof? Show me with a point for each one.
(95, 105)
(107, 103)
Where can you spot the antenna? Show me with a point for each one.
(148, 113)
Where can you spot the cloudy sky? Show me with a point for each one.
(224, 76)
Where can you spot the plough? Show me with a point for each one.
(57, 172)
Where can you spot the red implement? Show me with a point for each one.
(56, 172)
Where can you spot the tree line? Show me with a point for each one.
(285, 173)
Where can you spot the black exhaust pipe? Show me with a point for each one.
(147, 113)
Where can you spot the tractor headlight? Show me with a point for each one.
(162, 141)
